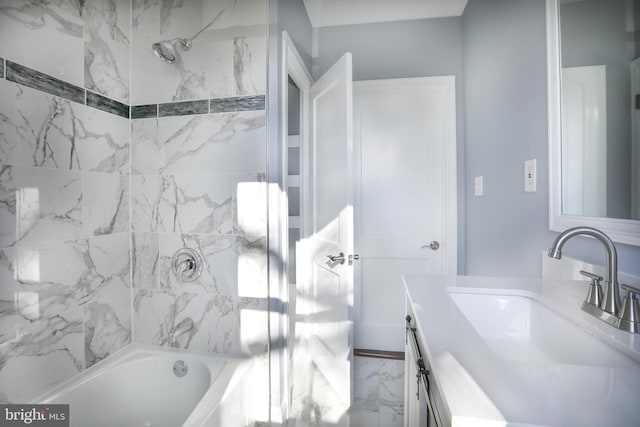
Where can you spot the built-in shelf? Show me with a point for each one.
(293, 141)
(294, 221)
(293, 193)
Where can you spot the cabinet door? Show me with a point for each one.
(416, 413)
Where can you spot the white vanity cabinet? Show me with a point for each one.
(415, 409)
(423, 405)
(498, 351)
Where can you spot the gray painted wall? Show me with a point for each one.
(505, 124)
(497, 52)
(426, 47)
(292, 17)
(594, 33)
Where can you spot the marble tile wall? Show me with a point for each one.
(85, 43)
(89, 221)
(64, 238)
(198, 165)
(65, 265)
(45, 36)
(198, 182)
(227, 59)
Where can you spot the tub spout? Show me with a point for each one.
(181, 328)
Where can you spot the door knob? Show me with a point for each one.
(338, 259)
(433, 246)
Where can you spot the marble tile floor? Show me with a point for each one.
(377, 401)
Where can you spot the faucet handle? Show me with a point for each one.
(593, 277)
(630, 317)
(594, 297)
(631, 291)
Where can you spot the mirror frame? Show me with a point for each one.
(619, 230)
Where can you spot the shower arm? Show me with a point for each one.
(189, 40)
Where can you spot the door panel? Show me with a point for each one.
(329, 182)
(329, 285)
(404, 150)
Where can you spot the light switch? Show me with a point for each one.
(530, 176)
(478, 186)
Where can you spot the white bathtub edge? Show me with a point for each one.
(222, 382)
(230, 378)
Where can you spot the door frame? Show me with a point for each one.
(292, 66)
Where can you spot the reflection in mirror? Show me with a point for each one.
(600, 107)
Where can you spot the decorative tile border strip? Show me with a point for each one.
(35, 79)
(106, 104)
(244, 103)
(203, 106)
(26, 76)
(144, 111)
(183, 108)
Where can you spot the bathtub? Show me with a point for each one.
(137, 387)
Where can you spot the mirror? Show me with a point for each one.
(594, 115)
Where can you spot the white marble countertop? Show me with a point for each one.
(482, 387)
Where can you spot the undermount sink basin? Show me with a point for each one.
(520, 328)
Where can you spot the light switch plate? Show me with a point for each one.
(478, 186)
(530, 176)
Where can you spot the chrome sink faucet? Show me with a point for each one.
(611, 300)
(609, 310)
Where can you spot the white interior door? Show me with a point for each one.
(405, 186)
(329, 198)
(584, 141)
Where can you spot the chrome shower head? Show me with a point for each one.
(166, 49)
